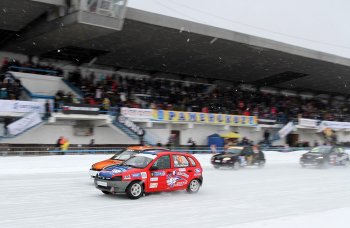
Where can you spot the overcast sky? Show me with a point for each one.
(322, 25)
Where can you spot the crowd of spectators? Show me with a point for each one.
(30, 67)
(156, 93)
(232, 100)
(114, 90)
(184, 96)
(10, 88)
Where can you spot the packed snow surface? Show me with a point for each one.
(56, 191)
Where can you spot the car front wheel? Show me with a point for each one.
(261, 164)
(134, 190)
(236, 165)
(194, 186)
(324, 165)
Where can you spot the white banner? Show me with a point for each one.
(307, 122)
(288, 128)
(21, 106)
(334, 125)
(24, 123)
(137, 113)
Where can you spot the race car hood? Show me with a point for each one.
(112, 170)
(221, 156)
(314, 154)
(100, 165)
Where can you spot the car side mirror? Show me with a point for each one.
(154, 168)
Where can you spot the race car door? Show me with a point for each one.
(181, 174)
(158, 174)
(338, 156)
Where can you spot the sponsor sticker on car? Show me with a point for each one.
(180, 183)
(180, 174)
(136, 175)
(197, 170)
(154, 179)
(158, 173)
(143, 175)
(153, 185)
(115, 171)
(100, 183)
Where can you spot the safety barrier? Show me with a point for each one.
(9, 151)
(50, 150)
(31, 70)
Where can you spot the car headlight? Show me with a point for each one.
(226, 159)
(319, 158)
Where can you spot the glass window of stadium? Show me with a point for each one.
(111, 8)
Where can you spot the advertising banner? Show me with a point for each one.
(80, 109)
(288, 128)
(130, 125)
(307, 122)
(24, 123)
(198, 117)
(334, 125)
(21, 106)
(137, 113)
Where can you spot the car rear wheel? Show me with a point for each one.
(106, 192)
(194, 186)
(346, 163)
(216, 166)
(134, 190)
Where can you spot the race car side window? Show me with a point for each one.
(163, 162)
(180, 161)
(193, 163)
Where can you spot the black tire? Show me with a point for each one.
(216, 166)
(235, 165)
(346, 163)
(106, 192)
(135, 190)
(193, 186)
(324, 165)
(261, 165)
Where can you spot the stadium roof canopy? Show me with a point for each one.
(158, 43)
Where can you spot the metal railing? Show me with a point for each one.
(52, 150)
(31, 70)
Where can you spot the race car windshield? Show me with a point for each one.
(138, 161)
(320, 150)
(125, 155)
(234, 151)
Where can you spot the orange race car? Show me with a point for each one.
(122, 156)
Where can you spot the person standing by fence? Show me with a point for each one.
(64, 145)
(47, 109)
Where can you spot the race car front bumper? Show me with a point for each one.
(93, 173)
(111, 185)
(311, 162)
